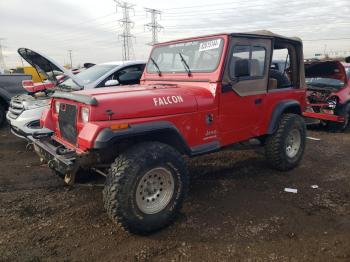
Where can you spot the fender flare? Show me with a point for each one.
(171, 134)
(292, 106)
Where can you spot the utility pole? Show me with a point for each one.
(127, 25)
(153, 26)
(70, 57)
(2, 60)
(324, 51)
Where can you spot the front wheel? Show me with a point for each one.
(145, 187)
(285, 148)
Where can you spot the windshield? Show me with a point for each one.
(87, 76)
(324, 82)
(186, 57)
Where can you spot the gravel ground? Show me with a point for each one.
(237, 210)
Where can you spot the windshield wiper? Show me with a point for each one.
(186, 66)
(157, 67)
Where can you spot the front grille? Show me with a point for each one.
(67, 121)
(16, 108)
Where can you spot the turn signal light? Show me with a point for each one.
(119, 126)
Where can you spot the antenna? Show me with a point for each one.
(153, 26)
(127, 25)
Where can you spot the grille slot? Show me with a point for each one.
(16, 108)
(67, 121)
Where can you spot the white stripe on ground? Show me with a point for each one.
(313, 138)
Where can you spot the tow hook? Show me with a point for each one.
(30, 147)
(69, 178)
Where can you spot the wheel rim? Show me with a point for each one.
(293, 143)
(155, 190)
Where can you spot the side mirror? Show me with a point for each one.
(112, 83)
(347, 59)
(242, 68)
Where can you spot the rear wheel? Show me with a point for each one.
(2, 115)
(145, 187)
(284, 149)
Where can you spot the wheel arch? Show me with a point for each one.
(288, 106)
(163, 132)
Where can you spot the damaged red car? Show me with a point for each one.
(328, 93)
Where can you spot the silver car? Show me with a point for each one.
(25, 110)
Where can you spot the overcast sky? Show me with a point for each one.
(90, 27)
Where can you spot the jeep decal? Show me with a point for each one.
(166, 100)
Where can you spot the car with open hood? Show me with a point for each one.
(25, 110)
(328, 93)
(196, 96)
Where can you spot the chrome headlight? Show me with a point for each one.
(57, 106)
(84, 114)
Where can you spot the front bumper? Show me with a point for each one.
(324, 116)
(64, 161)
(55, 155)
(26, 124)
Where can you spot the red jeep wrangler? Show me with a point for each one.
(197, 96)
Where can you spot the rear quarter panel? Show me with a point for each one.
(275, 97)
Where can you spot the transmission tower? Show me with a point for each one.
(2, 61)
(127, 25)
(153, 26)
(70, 58)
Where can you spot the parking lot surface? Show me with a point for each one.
(237, 210)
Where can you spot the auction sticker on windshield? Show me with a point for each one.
(209, 45)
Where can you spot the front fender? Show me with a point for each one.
(107, 136)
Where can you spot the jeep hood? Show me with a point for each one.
(45, 65)
(141, 100)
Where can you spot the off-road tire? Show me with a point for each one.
(340, 127)
(2, 115)
(123, 181)
(276, 144)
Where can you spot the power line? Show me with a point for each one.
(233, 4)
(327, 39)
(153, 26)
(126, 24)
(82, 24)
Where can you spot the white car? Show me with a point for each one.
(25, 110)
